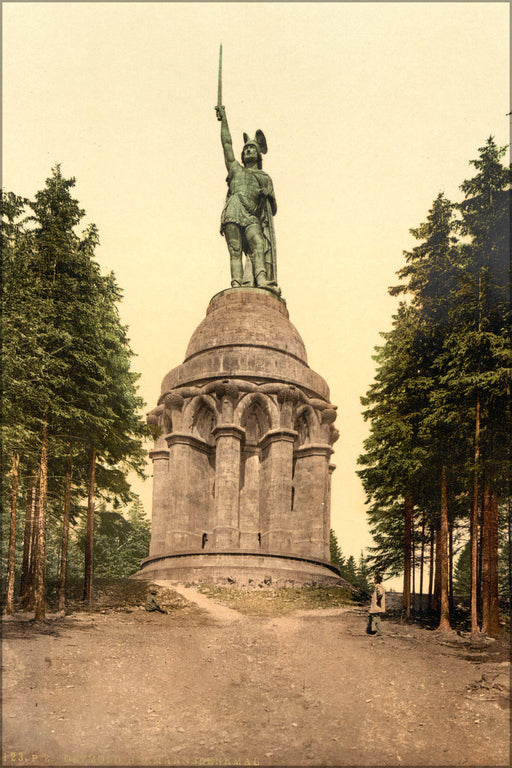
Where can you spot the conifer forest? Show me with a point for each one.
(71, 428)
(436, 466)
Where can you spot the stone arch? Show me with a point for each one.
(166, 422)
(306, 425)
(200, 417)
(256, 413)
(255, 423)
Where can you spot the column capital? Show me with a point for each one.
(251, 450)
(314, 449)
(277, 436)
(179, 438)
(228, 430)
(290, 394)
(161, 453)
(174, 399)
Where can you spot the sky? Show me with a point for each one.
(369, 110)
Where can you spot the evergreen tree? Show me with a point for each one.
(462, 572)
(335, 550)
(482, 356)
(68, 377)
(350, 570)
(395, 452)
(121, 540)
(440, 405)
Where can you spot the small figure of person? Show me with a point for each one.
(377, 606)
(246, 220)
(152, 603)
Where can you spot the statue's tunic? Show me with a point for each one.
(246, 188)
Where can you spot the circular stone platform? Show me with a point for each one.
(239, 569)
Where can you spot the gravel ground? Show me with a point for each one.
(210, 685)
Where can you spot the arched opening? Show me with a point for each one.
(166, 422)
(203, 422)
(255, 422)
(305, 425)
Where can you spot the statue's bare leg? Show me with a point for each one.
(248, 279)
(234, 241)
(256, 242)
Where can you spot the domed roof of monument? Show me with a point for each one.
(247, 317)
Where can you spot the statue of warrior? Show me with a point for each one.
(246, 220)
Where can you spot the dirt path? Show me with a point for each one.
(215, 609)
(206, 685)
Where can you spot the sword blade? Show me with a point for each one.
(219, 87)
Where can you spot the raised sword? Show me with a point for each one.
(219, 85)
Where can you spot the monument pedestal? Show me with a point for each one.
(242, 470)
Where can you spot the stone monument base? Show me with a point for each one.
(247, 569)
(242, 467)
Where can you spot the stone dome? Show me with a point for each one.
(246, 334)
(247, 317)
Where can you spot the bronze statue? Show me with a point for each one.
(246, 219)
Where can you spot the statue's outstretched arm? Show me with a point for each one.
(225, 137)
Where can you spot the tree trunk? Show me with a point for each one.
(493, 626)
(39, 552)
(473, 526)
(25, 583)
(436, 598)
(11, 557)
(65, 531)
(490, 594)
(431, 570)
(450, 565)
(509, 562)
(28, 594)
(479, 559)
(422, 561)
(33, 545)
(407, 555)
(89, 541)
(413, 565)
(442, 555)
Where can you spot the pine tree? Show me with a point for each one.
(395, 454)
(335, 550)
(121, 540)
(483, 355)
(445, 370)
(22, 325)
(67, 371)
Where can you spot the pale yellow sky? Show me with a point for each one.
(369, 109)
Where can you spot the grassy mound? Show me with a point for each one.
(277, 602)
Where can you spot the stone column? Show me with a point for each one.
(311, 499)
(188, 498)
(327, 517)
(249, 500)
(228, 438)
(276, 490)
(160, 514)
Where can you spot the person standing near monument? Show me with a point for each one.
(377, 606)
(246, 220)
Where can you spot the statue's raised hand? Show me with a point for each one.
(220, 112)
